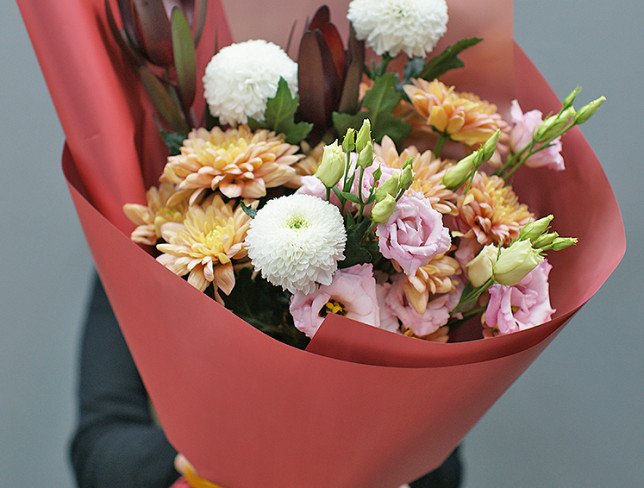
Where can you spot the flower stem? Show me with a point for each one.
(439, 145)
(386, 59)
(362, 203)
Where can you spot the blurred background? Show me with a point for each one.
(574, 419)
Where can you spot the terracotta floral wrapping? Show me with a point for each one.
(250, 411)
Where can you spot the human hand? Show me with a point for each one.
(191, 478)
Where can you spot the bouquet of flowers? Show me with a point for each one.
(347, 256)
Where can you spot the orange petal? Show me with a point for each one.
(225, 278)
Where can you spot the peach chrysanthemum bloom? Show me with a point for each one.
(441, 335)
(205, 244)
(428, 173)
(237, 162)
(463, 117)
(439, 276)
(149, 218)
(490, 211)
(308, 165)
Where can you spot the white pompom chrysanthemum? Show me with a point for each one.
(296, 242)
(241, 77)
(391, 26)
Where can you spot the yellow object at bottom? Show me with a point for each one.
(196, 482)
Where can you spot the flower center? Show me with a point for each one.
(213, 240)
(297, 222)
(333, 306)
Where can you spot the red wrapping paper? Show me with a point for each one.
(360, 407)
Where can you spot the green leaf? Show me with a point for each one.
(351, 197)
(174, 141)
(264, 306)
(447, 60)
(250, 211)
(183, 48)
(356, 251)
(280, 115)
(378, 105)
(210, 121)
(342, 121)
(254, 124)
(162, 100)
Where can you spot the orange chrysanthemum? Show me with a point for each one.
(441, 335)
(440, 275)
(428, 173)
(463, 117)
(237, 162)
(204, 245)
(149, 218)
(490, 211)
(308, 165)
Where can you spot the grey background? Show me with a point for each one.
(574, 419)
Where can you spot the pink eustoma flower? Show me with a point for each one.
(414, 234)
(524, 127)
(352, 293)
(519, 307)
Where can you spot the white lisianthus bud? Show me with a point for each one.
(457, 174)
(388, 188)
(406, 178)
(332, 166)
(570, 99)
(489, 147)
(533, 230)
(349, 141)
(561, 243)
(587, 111)
(479, 269)
(365, 158)
(515, 262)
(545, 240)
(364, 135)
(383, 210)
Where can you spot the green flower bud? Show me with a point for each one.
(409, 163)
(365, 158)
(533, 230)
(515, 262)
(489, 147)
(390, 187)
(364, 135)
(332, 166)
(545, 240)
(554, 125)
(561, 243)
(587, 111)
(570, 99)
(407, 178)
(383, 209)
(457, 174)
(377, 174)
(479, 269)
(349, 141)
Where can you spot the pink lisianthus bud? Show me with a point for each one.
(414, 234)
(436, 313)
(519, 307)
(352, 293)
(524, 127)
